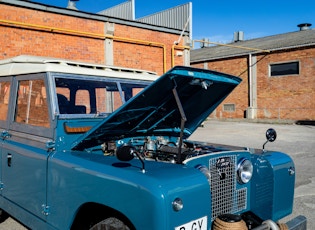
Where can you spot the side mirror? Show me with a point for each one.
(125, 153)
(271, 136)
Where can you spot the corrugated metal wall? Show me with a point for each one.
(179, 17)
(176, 18)
(124, 10)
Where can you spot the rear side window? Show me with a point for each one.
(31, 106)
(4, 99)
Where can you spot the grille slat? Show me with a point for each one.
(224, 195)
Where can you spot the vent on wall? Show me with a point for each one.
(229, 107)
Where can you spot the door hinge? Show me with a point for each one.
(50, 145)
(1, 186)
(5, 134)
(46, 210)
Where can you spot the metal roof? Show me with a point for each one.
(26, 64)
(290, 40)
(123, 10)
(179, 17)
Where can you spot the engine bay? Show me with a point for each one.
(159, 148)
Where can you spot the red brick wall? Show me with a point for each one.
(17, 41)
(46, 41)
(286, 97)
(239, 97)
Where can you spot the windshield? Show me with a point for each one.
(99, 96)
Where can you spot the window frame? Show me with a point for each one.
(27, 128)
(4, 124)
(285, 63)
(118, 81)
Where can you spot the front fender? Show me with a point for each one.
(144, 198)
(272, 185)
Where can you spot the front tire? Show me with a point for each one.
(110, 223)
(3, 216)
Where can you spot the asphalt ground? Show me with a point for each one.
(296, 140)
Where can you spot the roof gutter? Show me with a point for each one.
(247, 53)
(233, 46)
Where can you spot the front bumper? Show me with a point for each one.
(298, 223)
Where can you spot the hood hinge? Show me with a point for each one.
(46, 210)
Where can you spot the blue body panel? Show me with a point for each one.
(124, 187)
(272, 185)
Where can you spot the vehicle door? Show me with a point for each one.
(24, 156)
(5, 86)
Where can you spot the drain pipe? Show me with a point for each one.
(250, 80)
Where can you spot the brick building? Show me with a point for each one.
(35, 29)
(278, 75)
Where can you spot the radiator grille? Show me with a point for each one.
(224, 196)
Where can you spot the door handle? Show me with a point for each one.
(9, 159)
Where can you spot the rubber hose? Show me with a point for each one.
(222, 225)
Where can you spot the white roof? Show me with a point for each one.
(26, 64)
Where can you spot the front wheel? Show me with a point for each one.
(3, 216)
(111, 223)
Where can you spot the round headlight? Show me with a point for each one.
(205, 171)
(245, 171)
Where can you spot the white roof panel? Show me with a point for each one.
(26, 64)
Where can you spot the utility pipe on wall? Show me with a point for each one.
(86, 34)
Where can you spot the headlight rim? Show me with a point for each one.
(240, 171)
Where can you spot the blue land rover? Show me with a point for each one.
(88, 146)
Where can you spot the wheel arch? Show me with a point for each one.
(91, 213)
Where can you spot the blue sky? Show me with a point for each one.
(217, 20)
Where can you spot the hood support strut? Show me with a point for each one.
(182, 123)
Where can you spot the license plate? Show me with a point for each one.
(198, 224)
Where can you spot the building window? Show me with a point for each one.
(229, 107)
(281, 69)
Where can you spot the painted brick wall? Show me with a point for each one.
(284, 98)
(46, 40)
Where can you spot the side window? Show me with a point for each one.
(108, 98)
(80, 105)
(82, 101)
(94, 96)
(4, 99)
(31, 107)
